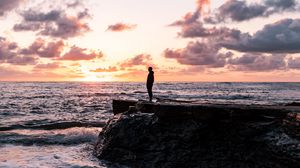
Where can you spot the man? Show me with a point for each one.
(150, 81)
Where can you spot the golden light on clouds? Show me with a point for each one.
(203, 6)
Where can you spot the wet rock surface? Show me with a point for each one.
(144, 140)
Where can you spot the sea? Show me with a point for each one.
(56, 124)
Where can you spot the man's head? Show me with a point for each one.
(150, 69)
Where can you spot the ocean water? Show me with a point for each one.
(56, 124)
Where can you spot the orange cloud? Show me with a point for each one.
(118, 27)
(48, 66)
(193, 17)
(43, 49)
(109, 69)
(77, 54)
(202, 4)
(141, 59)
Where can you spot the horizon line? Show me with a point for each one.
(155, 82)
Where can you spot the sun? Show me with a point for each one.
(91, 79)
(90, 76)
(97, 77)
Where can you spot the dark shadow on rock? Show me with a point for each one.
(143, 140)
(293, 104)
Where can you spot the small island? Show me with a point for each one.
(181, 134)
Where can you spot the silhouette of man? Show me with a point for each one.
(150, 81)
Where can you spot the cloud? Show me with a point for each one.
(280, 37)
(197, 29)
(27, 27)
(22, 60)
(8, 5)
(84, 14)
(35, 16)
(141, 59)
(43, 49)
(236, 10)
(76, 64)
(239, 10)
(54, 50)
(208, 55)
(9, 53)
(51, 66)
(265, 50)
(55, 23)
(294, 63)
(189, 18)
(74, 4)
(66, 27)
(201, 4)
(119, 27)
(77, 54)
(201, 54)
(7, 49)
(280, 5)
(258, 62)
(109, 69)
(192, 17)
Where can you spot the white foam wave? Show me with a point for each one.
(12, 156)
(70, 136)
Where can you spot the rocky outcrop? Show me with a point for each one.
(146, 140)
(120, 106)
(293, 104)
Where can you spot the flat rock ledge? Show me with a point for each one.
(137, 139)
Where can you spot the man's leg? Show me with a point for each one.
(150, 94)
(149, 89)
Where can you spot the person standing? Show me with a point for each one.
(150, 81)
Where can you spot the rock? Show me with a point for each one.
(170, 111)
(131, 110)
(56, 157)
(120, 106)
(293, 104)
(144, 140)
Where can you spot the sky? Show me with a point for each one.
(117, 40)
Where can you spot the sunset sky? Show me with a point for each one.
(116, 40)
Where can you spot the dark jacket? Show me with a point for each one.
(150, 79)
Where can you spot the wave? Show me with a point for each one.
(67, 137)
(76, 156)
(141, 92)
(235, 97)
(54, 126)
